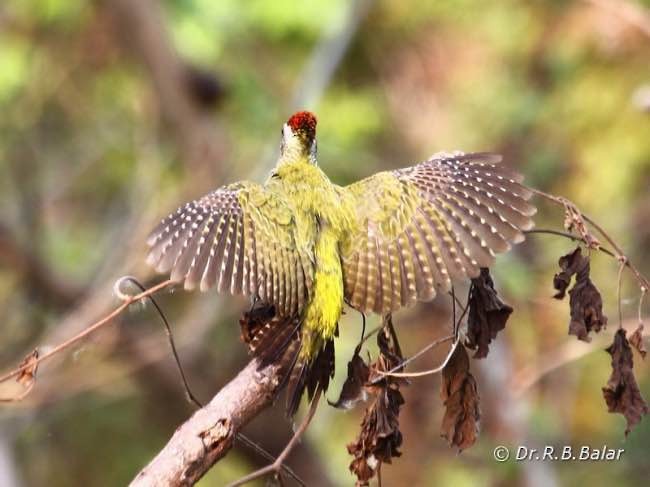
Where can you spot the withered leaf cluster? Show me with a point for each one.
(622, 393)
(487, 314)
(380, 438)
(585, 301)
(459, 393)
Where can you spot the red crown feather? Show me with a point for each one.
(303, 123)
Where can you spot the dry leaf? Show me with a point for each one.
(353, 389)
(28, 375)
(585, 301)
(569, 264)
(636, 340)
(622, 393)
(487, 314)
(380, 437)
(459, 393)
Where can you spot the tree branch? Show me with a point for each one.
(209, 434)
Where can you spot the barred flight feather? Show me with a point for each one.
(437, 221)
(227, 241)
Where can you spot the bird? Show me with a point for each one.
(306, 247)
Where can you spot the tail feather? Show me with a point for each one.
(274, 346)
(309, 375)
(296, 386)
(290, 359)
(275, 339)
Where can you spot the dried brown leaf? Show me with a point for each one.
(569, 264)
(636, 340)
(459, 393)
(27, 376)
(622, 393)
(380, 438)
(353, 389)
(586, 307)
(585, 301)
(487, 314)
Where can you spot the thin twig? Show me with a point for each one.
(460, 319)
(170, 337)
(576, 238)
(276, 465)
(370, 334)
(617, 253)
(188, 391)
(454, 336)
(363, 333)
(207, 436)
(641, 298)
(392, 372)
(92, 328)
(618, 292)
(453, 311)
(430, 371)
(265, 454)
(462, 315)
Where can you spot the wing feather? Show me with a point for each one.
(395, 277)
(429, 265)
(238, 239)
(409, 279)
(418, 228)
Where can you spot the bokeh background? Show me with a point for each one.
(114, 112)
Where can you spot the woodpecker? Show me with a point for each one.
(306, 246)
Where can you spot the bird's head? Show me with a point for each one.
(299, 137)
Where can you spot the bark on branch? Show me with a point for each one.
(208, 435)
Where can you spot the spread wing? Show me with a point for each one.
(416, 229)
(239, 239)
